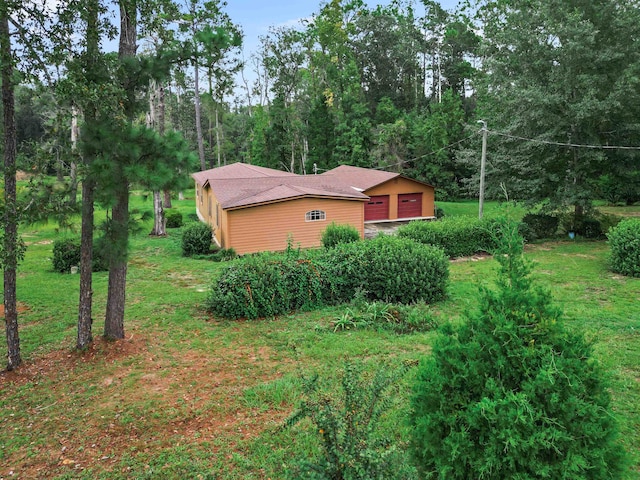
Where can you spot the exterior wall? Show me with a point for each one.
(405, 185)
(267, 227)
(209, 212)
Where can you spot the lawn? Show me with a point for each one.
(190, 396)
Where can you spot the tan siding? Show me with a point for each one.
(267, 227)
(404, 185)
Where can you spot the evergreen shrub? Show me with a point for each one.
(511, 394)
(173, 218)
(624, 241)
(265, 285)
(196, 239)
(387, 268)
(457, 236)
(335, 234)
(66, 254)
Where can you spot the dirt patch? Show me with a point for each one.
(474, 258)
(21, 307)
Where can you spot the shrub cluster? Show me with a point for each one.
(387, 268)
(66, 254)
(196, 239)
(266, 285)
(457, 236)
(173, 218)
(335, 234)
(624, 241)
(511, 394)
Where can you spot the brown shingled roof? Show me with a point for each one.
(361, 178)
(241, 185)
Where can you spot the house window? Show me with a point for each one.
(315, 216)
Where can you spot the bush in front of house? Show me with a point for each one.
(173, 218)
(510, 393)
(387, 268)
(335, 234)
(66, 254)
(266, 285)
(457, 236)
(624, 241)
(196, 239)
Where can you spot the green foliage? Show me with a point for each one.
(335, 234)
(510, 393)
(457, 236)
(266, 285)
(539, 225)
(66, 254)
(624, 240)
(387, 268)
(352, 446)
(196, 239)
(174, 218)
(397, 318)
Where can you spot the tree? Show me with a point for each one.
(10, 243)
(559, 73)
(511, 393)
(210, 38)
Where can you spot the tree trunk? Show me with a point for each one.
(10, 261)
(161, 129)
(73, 168)
(159, 221)
(114, 318)
(218, 136)
(196, 79)
(85, 318)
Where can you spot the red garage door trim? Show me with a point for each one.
(377, 208)
(410, 205)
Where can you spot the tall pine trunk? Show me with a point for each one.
(196, 78)
(10, 260)
(85, 319)
(114, 317)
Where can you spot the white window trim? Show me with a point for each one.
(315, 216)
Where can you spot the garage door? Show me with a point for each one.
(377, 208)
(410, 205)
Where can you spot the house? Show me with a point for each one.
(391, 196)
(252, 208)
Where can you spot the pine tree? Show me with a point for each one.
(511, 393)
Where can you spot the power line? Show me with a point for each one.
(435, 152)
(561, 144)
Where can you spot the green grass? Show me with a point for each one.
(186, 395)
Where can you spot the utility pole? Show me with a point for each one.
(483, 162)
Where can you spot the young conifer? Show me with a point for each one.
(511, 393)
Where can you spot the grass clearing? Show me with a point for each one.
(187, 395)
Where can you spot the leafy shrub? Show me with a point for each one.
(624, 241)
(397, 318)
(224, 255)
(540, 225)
(196, 239)
(390, 269)
(439, 212)
(66, 254)
(174, 218)
(266, 285)
(457, 236)
(511, 394)
(353, 445)
(335, 234)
